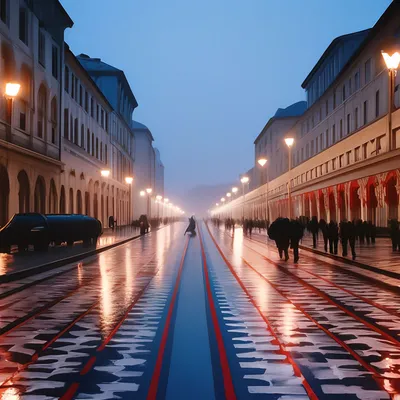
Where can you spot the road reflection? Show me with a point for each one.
(106, 302)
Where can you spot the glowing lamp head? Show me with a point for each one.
(223, 199)
(149, 190)
(217, 204)
(392, 62)
(289, 141)
(245, 179)
(105, 173)
(234, 190)
(262, 161)
(12, 89)
(228, 194)
(129, 180)
(142, 193)
(159, 198)
(166, 200)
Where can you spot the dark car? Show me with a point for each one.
(40, 230)
(143, 224)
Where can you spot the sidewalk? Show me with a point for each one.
(15, 262)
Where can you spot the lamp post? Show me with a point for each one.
(262, 162)
(158, 198)
(149, 191)
(289, 143)
(12, 90)
(392, 64)
(244, 180)
(128, 181)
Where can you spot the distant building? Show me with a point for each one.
(159, 173)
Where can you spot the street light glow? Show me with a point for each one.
(228, 194)
(222, 199)
(142, 193)
(149, 190)
(217, 204)
(159, 198)
(262, 161)
(12, 89)
(105, 173)
(392, 62)
(245, 179)
(234, 190)
(166, 200)
(129, 180)
(289, 141)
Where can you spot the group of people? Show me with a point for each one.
(394, 232)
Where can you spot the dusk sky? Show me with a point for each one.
(208, 74)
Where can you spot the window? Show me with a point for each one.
(348, 123)
(365, 155)
(302, 154)
(341, 129)
(4, 10)
(356, 118)
(307, 151)
(348, 157)
(98, 113)
(102, 118)
(367, 71)
(42, 112)
(42, 48)
(82, 136)
(327, 138)
(320, 114)
(88, 141)
(357, 154)
(97, 147)
(334, 99)
(22, 119)
(316, 145)
(312, 148)
(344, 93)
(66, 123)
(66, 79)
(333, 134)
(350, 91)
(81, 89)
(333, 164)
(71, 126)
(23, 25)
(54, 119)
(92, 107)
(377, 111)
(341, 161)
(76, 89)
(101, 151)
(76, 132)
(106, 127)
(321, 141)
(357, 81)
(378, 145)
(312, 121)
(365, 112)
(92, 144)
(326, 168)
(308, 126)
(326, 108)
(86, 101)
(73, 86)
(54, 62)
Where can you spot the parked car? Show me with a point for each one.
(40, 230)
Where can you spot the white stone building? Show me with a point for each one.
(343, 165)
(31, 45)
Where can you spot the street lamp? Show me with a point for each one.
(244, 180)
(158, 199)
(223, 199)
(105, 173)
(392, 64)
(228, 194)
(128, 181)
(12, 90)
(262, 162)
(289, 143)
(217, 204)
(142, 193)
(234, 190)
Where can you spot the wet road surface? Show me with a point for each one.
(208, 317)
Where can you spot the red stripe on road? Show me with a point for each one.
(226, 373)
(70, 393)
(295, 367)
(152, 394)
(88, 365)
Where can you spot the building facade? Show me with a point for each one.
(32, 52)
(345, 159)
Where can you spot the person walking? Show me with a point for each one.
(352, 238)
(367, 231)
(394, 233)
(279, 231)
(373, 232)
(296, 233)
(333, 237)
(344, 237)
(313, 228)
(323, 227)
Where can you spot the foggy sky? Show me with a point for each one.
(208, 74)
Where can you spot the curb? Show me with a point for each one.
(25, 273)
(368, 267)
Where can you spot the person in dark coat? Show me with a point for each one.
(279, 231)
(323, 227)
(352, 238)
(344, 237)
(360, 230)
(394, 233)
(245, 226)
(333, 237)
(296, 233)
(111, 222)
(250, 226)
(192, 226)
(367, 232)
(372, 229)
(313, 228)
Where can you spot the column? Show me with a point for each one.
(362, 194)
(316, 192)
(325, 193)
(347, 186)
(335, 197)
(380, 193)
(398, 190)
